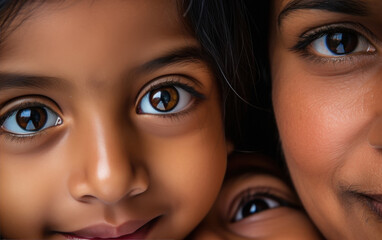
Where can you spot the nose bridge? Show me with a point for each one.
(110, 161)
(108, 172)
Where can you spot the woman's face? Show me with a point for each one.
(111, 123)
(327, 93)
(255, 203)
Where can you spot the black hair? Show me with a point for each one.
(227, 35)
(9, 10)
(259, 12)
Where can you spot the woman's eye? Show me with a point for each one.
(254, 205)
(341, 43)
(164, 100)
(30, 120)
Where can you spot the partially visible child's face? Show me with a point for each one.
(110, 123)
(255, 203)
(327, 93)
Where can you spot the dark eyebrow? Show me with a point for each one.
(13, 80)
(182, 55)
(186, 54)
(351, 7)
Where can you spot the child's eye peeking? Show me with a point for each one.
(341, 43)
(167, 98)
(255, 204)
(30, 120)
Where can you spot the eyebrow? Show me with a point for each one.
(182, 55)
(188, 54)
(351, 7)
(253, 170)
(14, 80)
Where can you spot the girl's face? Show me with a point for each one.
(110, 123)
(327, 93)
(255, 203)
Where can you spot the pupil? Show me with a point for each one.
(341, 43)
(254, 206)
(164, 99)
(31, 119)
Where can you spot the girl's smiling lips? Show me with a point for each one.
(137, 229)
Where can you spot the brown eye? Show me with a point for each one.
(31, 119)
(342, 43)
(164, 99)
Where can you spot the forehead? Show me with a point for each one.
(98, 13)
(100, 28)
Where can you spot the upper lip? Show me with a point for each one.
(109, 231)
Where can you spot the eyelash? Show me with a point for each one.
(174, 81)
(307, 38)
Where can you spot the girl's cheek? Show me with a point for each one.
(26, 194)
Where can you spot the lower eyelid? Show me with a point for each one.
(337, 66)
(179, 116)
(21, 138)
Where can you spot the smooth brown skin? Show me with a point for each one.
(329, 115)
(255, 174)
(105, 163)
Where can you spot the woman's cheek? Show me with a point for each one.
(318, 117)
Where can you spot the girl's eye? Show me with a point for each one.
(256, 204)
(164, 100)
(30, 120)
(341, 43)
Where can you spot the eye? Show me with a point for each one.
(30, 120)
(254, 205)
(164, 100)
(341, 43)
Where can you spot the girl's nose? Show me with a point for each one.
(107, 171)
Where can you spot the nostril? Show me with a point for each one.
(136, 192)
(86, 199)
(140, 184)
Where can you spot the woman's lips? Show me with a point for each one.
(375, 203)
(128, 230)
(371, 200)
